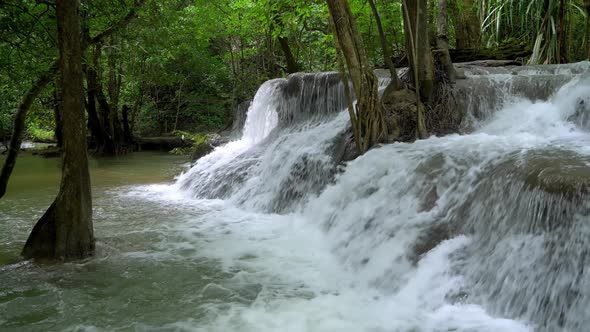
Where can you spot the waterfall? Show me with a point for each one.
(484, 231)
(292, 143)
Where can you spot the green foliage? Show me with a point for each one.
(36, 133)
(199, 147)
(197, 138)
(537, 22)
(185, 64)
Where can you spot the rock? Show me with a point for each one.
(215, 139)
(200, 149)
(400, 115)
(428, 239)
(560, 173)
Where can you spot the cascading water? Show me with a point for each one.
(486, 231)
(295, 129)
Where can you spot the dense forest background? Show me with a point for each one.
(185, 65)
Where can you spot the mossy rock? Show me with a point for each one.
(200, 149)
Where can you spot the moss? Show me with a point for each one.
(199, 148)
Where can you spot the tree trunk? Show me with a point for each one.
(420, 57)
(178, 104)
(562, 53)
(114, 91)
(587, 7)
(65, 231)
(99, 123)
(126, 128)
(395, 82)
(442, 40)
(467, 26)
(292, 66)
(136, 108)
(418, 46)
(368, 121)
(57, 114)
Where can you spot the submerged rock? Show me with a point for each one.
(562, 173)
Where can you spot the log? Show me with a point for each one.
(469, 55)
(162, 143)
(511, 49)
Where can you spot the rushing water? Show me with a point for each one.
(486, 231)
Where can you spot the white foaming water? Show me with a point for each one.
(262, 118)
(458, 233)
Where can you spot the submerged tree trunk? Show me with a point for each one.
(442, 40)
(395, 82)
(65, 231)
(368, 121)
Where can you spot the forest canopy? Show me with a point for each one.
(186, 64)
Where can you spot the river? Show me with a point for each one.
(483, 231)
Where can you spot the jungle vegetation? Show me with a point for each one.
(97, 74)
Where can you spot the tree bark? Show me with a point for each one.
(418, 46)
(114, 89)
(562, 52)
(126, 128)
(420, 57)
(65, 231)
(178, 104)
(292, 66)
(368, 118)
(467, 26)
(395, 81)
(57, 114)
(99, 122)
(442, 40)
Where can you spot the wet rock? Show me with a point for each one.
(563, 173)
(428, 240)
(200, 149)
